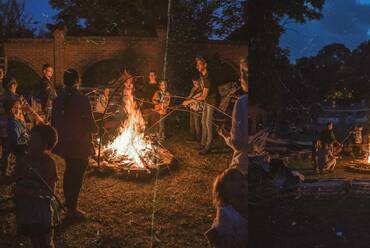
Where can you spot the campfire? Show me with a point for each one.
(361, 165)
(132, 150)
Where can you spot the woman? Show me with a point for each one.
(74, 121)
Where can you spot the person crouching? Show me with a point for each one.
(326, 158)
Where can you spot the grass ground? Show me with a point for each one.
(120, 212)
(312, 223)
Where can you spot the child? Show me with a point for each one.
(196, 110)
(230, 226)
(102, 103)
(18, 134)
(161, 100)
(32, 197)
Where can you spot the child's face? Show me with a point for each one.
(17, 109)
(106, 92)
(162, 86)
(35, 145)
(195, 83)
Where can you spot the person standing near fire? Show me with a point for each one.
(102, 103)
(196, 109)
(161, 100)
(46, 92)
(73, 119)
(237, 137)
(145, 93)
(210, 96)
(10, 94)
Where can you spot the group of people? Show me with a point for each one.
(32, 131)
(61, 122)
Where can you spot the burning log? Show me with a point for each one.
(132, 152)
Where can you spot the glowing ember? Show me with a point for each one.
(130, 147)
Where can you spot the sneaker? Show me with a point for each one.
(76, 214)
(205, 151)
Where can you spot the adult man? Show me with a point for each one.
(327, 135)
(211, 97)
(237, 138)
(74, 121)
(10, 89)
(46, 90)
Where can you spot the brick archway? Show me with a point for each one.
(26, 63)
(79, 52)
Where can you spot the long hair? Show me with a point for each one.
(220, 192)
(70, 78)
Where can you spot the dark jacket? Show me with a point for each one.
(46, 93)
(75, 125)
(5, 97)
(328, 137)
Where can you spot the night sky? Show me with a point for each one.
(344, 21)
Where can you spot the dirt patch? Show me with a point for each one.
(120, 212)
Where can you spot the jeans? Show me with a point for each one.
(195, 124)
(207, 126)
(150, 117)
(161, 128)
(72, 182)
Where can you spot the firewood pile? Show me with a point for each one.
(359, 166)
(122, 167)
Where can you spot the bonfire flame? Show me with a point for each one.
(131, 144)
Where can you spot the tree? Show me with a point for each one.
(13, 21)
(358, 70)
(191, 19)
(264, 27)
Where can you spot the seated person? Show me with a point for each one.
(230, 196)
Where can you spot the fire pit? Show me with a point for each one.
(361, 165)
(133, 153)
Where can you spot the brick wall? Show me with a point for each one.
(81, 52)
